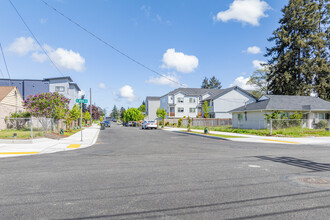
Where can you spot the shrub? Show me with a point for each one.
(322, 124)
(167, 124)
(179, 122)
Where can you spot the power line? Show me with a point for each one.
(109, 45)
(35, 38)
(4, 60)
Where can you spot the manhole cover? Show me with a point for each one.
(309, 181)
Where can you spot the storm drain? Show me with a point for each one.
(310, 181)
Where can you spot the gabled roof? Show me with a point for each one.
(5, 90)
(194, 91)
(286, 102)
(153, 98)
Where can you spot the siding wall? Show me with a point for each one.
(152, 106)
(231, 100)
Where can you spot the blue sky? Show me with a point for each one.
(185, 40)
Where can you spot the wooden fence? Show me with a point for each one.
(203, 122)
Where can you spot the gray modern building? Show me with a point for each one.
(152, 104)
(63, 85)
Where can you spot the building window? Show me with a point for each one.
(245, 116)
(192, 110)
(192, 100)
(180, 100)
(181, 110)
(59, 89)
(240, 116)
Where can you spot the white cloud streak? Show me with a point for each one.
(63, 58)
(242, 82)
(126, 93)
(253, 50)
(179, 61)
(102, 86)
(245, 11)
(258, 64)
(168, 80)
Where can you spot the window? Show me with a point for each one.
(181, 110)
(59, 89)
(192, 100)
(180, 100)
(192, 110)
(245, 116)
(240, 116)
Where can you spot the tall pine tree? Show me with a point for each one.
(298, 62)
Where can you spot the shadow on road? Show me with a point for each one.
(311, 165)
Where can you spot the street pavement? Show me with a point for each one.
(132, 173)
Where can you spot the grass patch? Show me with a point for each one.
(288, 132)
(218, 135)
(21, 134)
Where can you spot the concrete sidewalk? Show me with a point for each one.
(325, 141)
(46, 145)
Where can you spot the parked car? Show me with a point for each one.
(107, 123)
(114, 120)
(149, 124)
(129, 124)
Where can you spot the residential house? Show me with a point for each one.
(188, 101)
(63, 85)
(152, 104)
(252, 116)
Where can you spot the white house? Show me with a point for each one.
(252, 116)
(152, 104)
(188, 101)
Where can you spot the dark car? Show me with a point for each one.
(107, 123)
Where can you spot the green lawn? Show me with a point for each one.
(21, 134)
(288, 132)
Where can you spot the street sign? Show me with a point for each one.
(81, 101)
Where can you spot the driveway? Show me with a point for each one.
(152, 174)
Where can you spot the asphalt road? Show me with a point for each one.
(152, 174)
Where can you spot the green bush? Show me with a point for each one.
(167, 124)
(179, 122)
(322, 124)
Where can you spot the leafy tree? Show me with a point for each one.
(143, 103)
(258, 80)
(96, 113)
(75, 112)
(299, 60)
(161, 113)
(87, 116)
(206, 109)
(45, 104)
(142, 108)
(133, 114)
(212, 83)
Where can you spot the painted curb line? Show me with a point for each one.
(202, 135)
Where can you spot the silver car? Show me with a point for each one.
(149, 124)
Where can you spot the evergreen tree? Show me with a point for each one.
(298, 63)
(122, 113)
(114, 113)
(212, 83)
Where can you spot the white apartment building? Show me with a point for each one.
(188, 101)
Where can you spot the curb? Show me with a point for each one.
(202, 135)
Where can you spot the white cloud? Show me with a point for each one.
(23, 45)
(127, 93)
(242, 82)
(63, 58)
(181, 62)
(253, 50)
(167, 80)
(102, 86)
(258, 64)
(246, 11)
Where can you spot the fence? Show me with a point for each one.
(294, 125)
(200, 122)
(26, 127)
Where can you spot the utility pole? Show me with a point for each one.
(90, 104)
(81, 138)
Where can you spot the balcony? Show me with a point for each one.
(171, 114)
